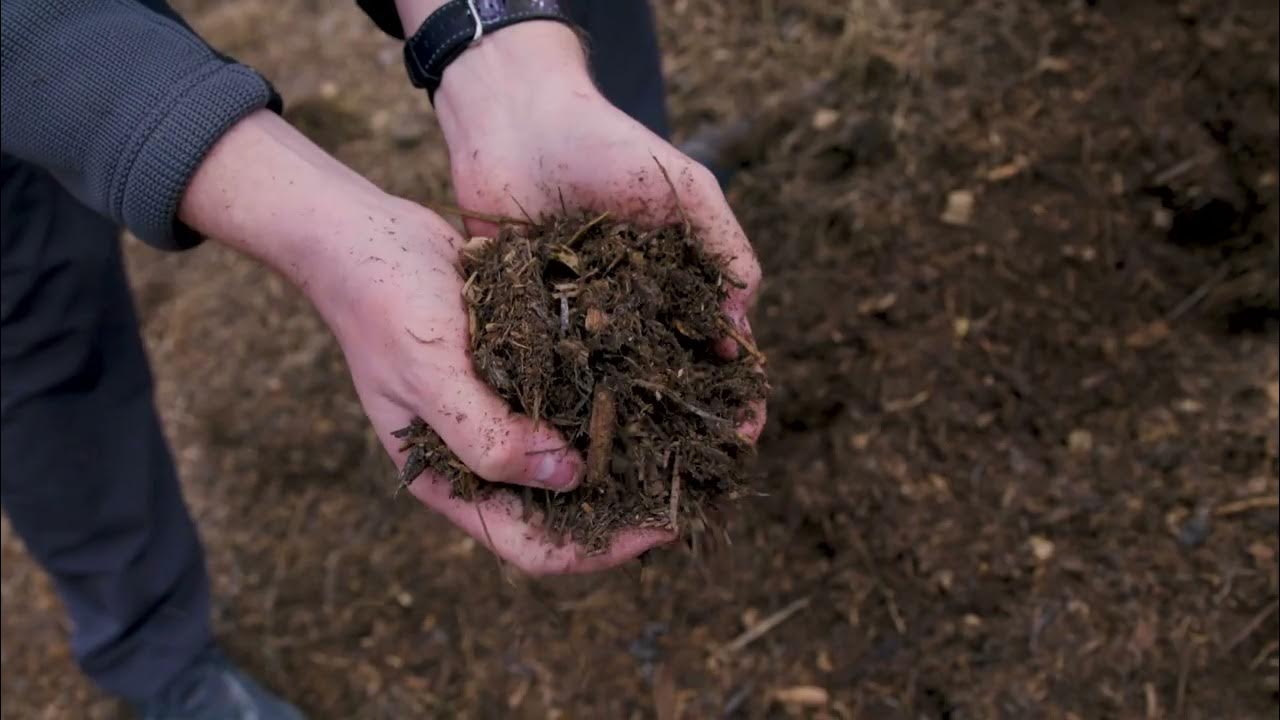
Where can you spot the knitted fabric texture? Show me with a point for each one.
(120, 101)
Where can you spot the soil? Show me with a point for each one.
(1021, 310)
(607, 332)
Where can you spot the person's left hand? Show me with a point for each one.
(529, 133)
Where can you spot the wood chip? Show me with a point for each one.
(803, 695)
(604, 413)
(959, 209)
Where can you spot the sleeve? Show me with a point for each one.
(120, 102)
(383, 14)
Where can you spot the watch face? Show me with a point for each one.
(491, 10)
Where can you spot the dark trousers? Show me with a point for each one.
(88, 481)
(87, 478)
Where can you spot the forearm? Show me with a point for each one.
(268, 191)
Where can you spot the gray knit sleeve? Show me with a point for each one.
(120, 102)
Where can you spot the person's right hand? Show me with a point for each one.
(382, 273)
(404, 330)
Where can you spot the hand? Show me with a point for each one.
(527, 131)
(381, 271)
(404, 331)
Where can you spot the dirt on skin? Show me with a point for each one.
(609, 333)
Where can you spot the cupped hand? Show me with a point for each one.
(404, 330)
(529, 134)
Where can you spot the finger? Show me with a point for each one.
(499, 445)
(496, 443)
(497, 523)
(722, 235)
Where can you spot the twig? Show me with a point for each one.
(583, 230)
(1196, 295)
(1263, 654)
(675, 495)
(736, 335)
(330, 579)
(1180, 168)
(522, 210)
(757, 631)
(447, 209)
(1184, 669)
(891, 604)
(604, 414)
(661, 390)
(1250, 627)
(1238, 506)
(674, 195)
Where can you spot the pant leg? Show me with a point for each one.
(88, 481)
(625, 60)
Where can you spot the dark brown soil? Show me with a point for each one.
(608, 332)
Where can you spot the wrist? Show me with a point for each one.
(267, 191)
(509, 79)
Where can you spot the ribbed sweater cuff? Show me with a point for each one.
(167, 147)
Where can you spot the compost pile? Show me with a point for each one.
(609, 333)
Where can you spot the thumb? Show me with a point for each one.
(496, 443)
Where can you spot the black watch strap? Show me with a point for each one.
(458, 23)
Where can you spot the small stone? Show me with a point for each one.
(959, 210)
(1080, 441)
(824, 118)
(960, 327)
(1188, 406)
(944, 579)
(1041, 547)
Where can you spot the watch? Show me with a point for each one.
(457, 24)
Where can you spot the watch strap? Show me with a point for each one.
(457, 24)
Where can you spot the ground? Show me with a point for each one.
(1021, 306)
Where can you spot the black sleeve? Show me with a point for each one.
(120, 101)
(383, 14)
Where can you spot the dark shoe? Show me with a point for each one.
(213, 689)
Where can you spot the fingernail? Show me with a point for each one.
(556, 470)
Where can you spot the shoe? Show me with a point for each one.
(212, 688)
